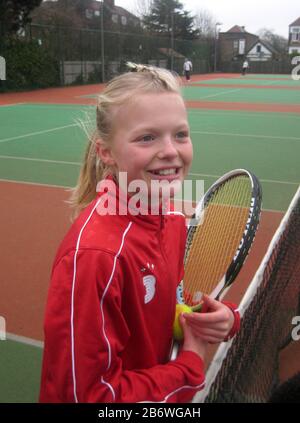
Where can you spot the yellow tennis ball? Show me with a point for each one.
(177, 329)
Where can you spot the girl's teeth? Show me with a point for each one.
(166, 172)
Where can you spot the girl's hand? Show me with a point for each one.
(214, 325)
(191, 341)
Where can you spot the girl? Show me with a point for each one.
(112, 297)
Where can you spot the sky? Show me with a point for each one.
(253, 14)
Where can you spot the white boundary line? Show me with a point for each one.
(37, 133)
(12, 181)
(67, 188)
(243, 113)
(273, 137)
(270, 181)
(217, 94)
(40, 160)
(11, 104)
(24, 340)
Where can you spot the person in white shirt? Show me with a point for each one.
(245, 67)
(187, 68)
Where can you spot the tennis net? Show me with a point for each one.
(247, 369)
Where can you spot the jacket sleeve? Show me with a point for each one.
(85, 364)
(237, 320)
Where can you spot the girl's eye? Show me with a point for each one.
(147, 138)
(182, 135)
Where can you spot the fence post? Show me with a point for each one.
(2, 68)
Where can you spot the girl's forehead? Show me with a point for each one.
(148, 109)
(145, 101)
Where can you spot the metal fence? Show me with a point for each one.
(86, 55)
(282, 66)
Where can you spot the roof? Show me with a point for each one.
(237, 28)
(264, 43)
(296, 22)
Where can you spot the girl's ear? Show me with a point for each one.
(104, 152)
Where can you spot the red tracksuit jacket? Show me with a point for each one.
(110, 311)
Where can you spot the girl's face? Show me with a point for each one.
(150, 139)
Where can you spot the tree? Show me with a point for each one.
(167, 18)
(58, 13)
(276, 41)
(143, 7)
(14, 14)
(205, 22)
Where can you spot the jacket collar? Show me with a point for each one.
(116, 202)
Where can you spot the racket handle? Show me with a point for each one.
(175, 351)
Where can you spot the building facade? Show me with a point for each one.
(294, 37)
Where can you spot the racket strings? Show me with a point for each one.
(210, 251)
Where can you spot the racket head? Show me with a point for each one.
(220, 235)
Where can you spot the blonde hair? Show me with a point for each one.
(141, 80)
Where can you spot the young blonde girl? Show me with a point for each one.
(112, 297)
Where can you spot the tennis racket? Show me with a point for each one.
(219, 237)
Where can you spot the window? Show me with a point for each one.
(295, 29)
(295, 37)
(88, 13)
(242, 45)
(123, 20)
(97, 13)
(258, 48)
(114, 18)
(235, 45)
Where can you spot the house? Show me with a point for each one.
(294, 37)
(237, 43)
(117, 15)
(260, 51)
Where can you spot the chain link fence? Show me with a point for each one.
(90, 56)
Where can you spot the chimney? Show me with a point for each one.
(110, 3)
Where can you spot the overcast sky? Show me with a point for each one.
(253, 14)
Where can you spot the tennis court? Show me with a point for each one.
(250, 122)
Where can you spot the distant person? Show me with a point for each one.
(245, 67)
(187, 68)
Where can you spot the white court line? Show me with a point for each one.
(176, 199)
(24, 340)
(40, 160)
(216, 95)
(37, 133)
(243, 113)
(270, 181)
(11, 104)
(13, 181)
(275, 137)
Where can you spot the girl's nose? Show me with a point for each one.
(168, 149)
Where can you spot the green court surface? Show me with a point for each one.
(45, 143)
(19, 372)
